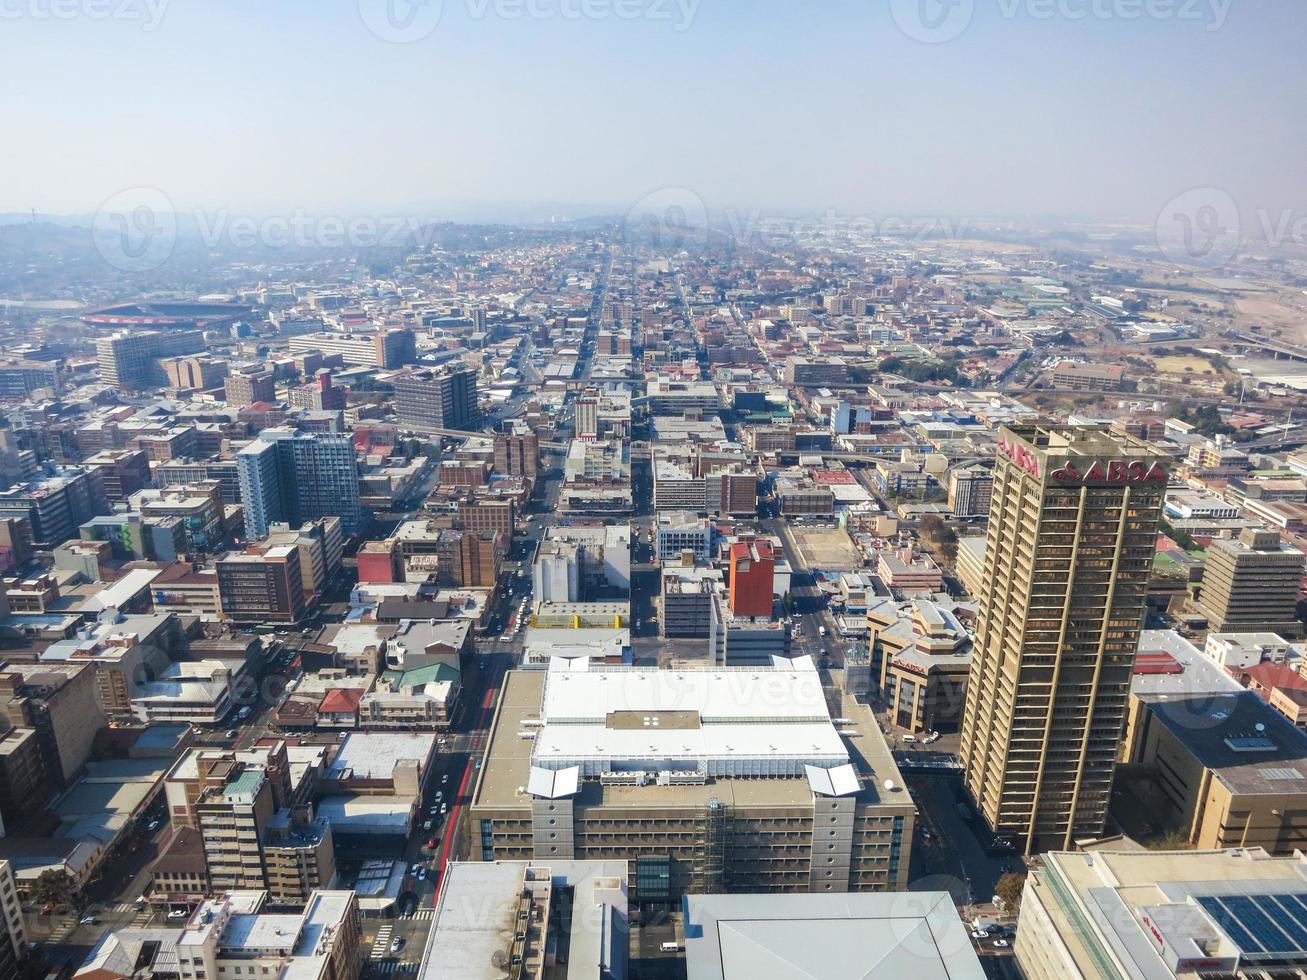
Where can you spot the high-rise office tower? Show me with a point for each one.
(1250, 585)
(297, 477)
(132, 360)
(1072, 529)
(426, 399)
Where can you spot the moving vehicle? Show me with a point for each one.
(178, 914)
(397, 945)
(821, 630)
(233, 733)
(443, 808)
(152, 826)
(670, 947)
(422, 875)
(87, 920)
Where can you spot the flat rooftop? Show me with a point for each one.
(374, 755)
(835, 937)
(508, 761)
(1249, 746)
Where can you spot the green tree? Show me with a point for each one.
(55, 887)
(1009, 889)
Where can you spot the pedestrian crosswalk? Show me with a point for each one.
(62, 929)
(420, 914)
(393, 966)
(381, 945)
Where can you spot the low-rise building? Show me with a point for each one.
(1116, 912)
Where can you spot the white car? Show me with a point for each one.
(445, 778)
(152, 826)
(979, 934)
(443, 808)
(179, 914)
(1000, 944)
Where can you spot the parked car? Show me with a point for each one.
(47, 908)
(1001, 944)
(179, 914)
(152, 826)
(87, 920)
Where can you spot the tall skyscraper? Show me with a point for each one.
(428, 399)
(297, 477)
(1072, 529)
(132, 360)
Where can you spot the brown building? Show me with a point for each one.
(15, 542)
(196, 372)
(464, 474)
(23, 786)
(1088, 377)
(246, 389)
(487, 515)
(1072, 530)
(517, 454)
(262, 586)
(180, 875)
(1251, 585)
(58, 701)
(122, 471)
(175, 442)
(479, 554)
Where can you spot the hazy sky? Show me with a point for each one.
(271, 105)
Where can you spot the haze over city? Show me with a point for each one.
(1098, 110)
